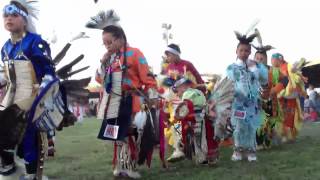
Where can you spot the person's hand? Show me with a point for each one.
(106, 57)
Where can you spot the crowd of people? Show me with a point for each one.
(255, 105)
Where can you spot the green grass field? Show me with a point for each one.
(81, 156)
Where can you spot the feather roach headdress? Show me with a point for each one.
(104, 19)
(244, 38)
(261, 48)
(32, 12)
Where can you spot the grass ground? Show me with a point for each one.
(81, 156)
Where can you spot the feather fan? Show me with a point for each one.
(63, 72)
(219, 105)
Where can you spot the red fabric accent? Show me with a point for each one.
(161, 134)
(114, 161)
(191, 116)
(227, 142)
(161, 90)
(132, 148)
(313, 116)
(284, 69)
(188, 121)
(213, 145)
(178, 69)
(50, 142)
(289, 112)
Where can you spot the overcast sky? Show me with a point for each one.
(202, 28)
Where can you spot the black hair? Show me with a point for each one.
(175, 47)
(261, 52)
(118, 33)
(241, 43)
(243, 39)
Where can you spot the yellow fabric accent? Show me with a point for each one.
(295, 84)
(168, 131)
(191, 77)
(210, 86)
(298, 117)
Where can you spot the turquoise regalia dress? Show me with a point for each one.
(246, 107)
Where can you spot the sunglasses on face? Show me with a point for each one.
(13, 10)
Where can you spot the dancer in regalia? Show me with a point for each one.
(288, 87)
(27, 60)
(193, 126)
(35, 101)
(266, 132)
(247, 76)
(128, 87)
(176, 69)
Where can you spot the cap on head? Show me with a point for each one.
(28, 9)
(174, 49)
(277, 56)
(15, 8)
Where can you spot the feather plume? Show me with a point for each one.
(297, 66)
(147, 140)
(32, 11)
(252, 26)
(68, 120)
(261, 48)
(64, 71)
(243, 39)
(76, 84)
(239, 35)
(77, 71)
(79, 36)
(219, 105)
(251, 37)
(61, 54)
(65, 49)
(259, 39)
(103, 19)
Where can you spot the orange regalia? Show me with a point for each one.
(289, 90)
